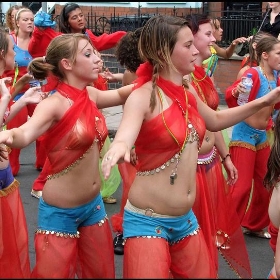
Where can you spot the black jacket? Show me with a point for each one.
(273, 29)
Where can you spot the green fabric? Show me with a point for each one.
(227, 140)
(109, 186)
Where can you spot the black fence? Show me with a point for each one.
(235, 23)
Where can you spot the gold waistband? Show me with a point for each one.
(146, 212)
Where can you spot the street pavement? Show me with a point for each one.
(260, 254)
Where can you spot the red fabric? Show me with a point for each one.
(128, 173)
(84, 116)
(232, 101)
(217, 217)
(213, 203)
(160, 149)
(41, 38)
(152, 257)
(256, 216)
(273, 230)
(14, 249)
(101, 83)
(14, 155)
(105, 41)
(245, 61)
(205, 87)
(91, 256)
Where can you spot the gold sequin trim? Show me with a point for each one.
(102, 222)
(58, 234)
(192, 137)
(10, 189)
(209, 158)
(195, 232)
(242, 145)
(68, 235)
(69, 167)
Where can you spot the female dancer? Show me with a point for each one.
(166, 123)
(24, 26)
(10, 18)
(249, 142)
(71, 20)
(212, 207)
(225, 53)
(14, 249)
(73, 235)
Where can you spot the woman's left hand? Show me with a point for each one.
(231, 171)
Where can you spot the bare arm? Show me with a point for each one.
(31, 96)
(45, 114)
(218, 120)
(226, 160)
(109, 98)
(134, 113)
(228, 52)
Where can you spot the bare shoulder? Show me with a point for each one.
(92, 92)
(54, 106)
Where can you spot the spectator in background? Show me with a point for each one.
(271, 20)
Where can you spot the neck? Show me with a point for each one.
(267, 71)
(276, 9)
(23, 35)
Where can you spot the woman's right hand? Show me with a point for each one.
(117, 152)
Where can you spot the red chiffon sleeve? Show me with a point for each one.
(105, 41)
(40, 40)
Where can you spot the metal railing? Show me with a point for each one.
(235, 23)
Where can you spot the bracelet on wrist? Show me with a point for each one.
(223, 160)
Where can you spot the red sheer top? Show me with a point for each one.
(69, 139)
(205, 87)
(154, 145)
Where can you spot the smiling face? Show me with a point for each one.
(203, 39)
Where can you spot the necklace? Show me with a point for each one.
(269, 86)
(173, 174)
(268, 82)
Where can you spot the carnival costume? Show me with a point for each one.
(22, 59)
(250, 145)
(213, 204)
(14, 248)
(82, 244)
(174, 238)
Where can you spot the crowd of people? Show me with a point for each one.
(186, 196)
